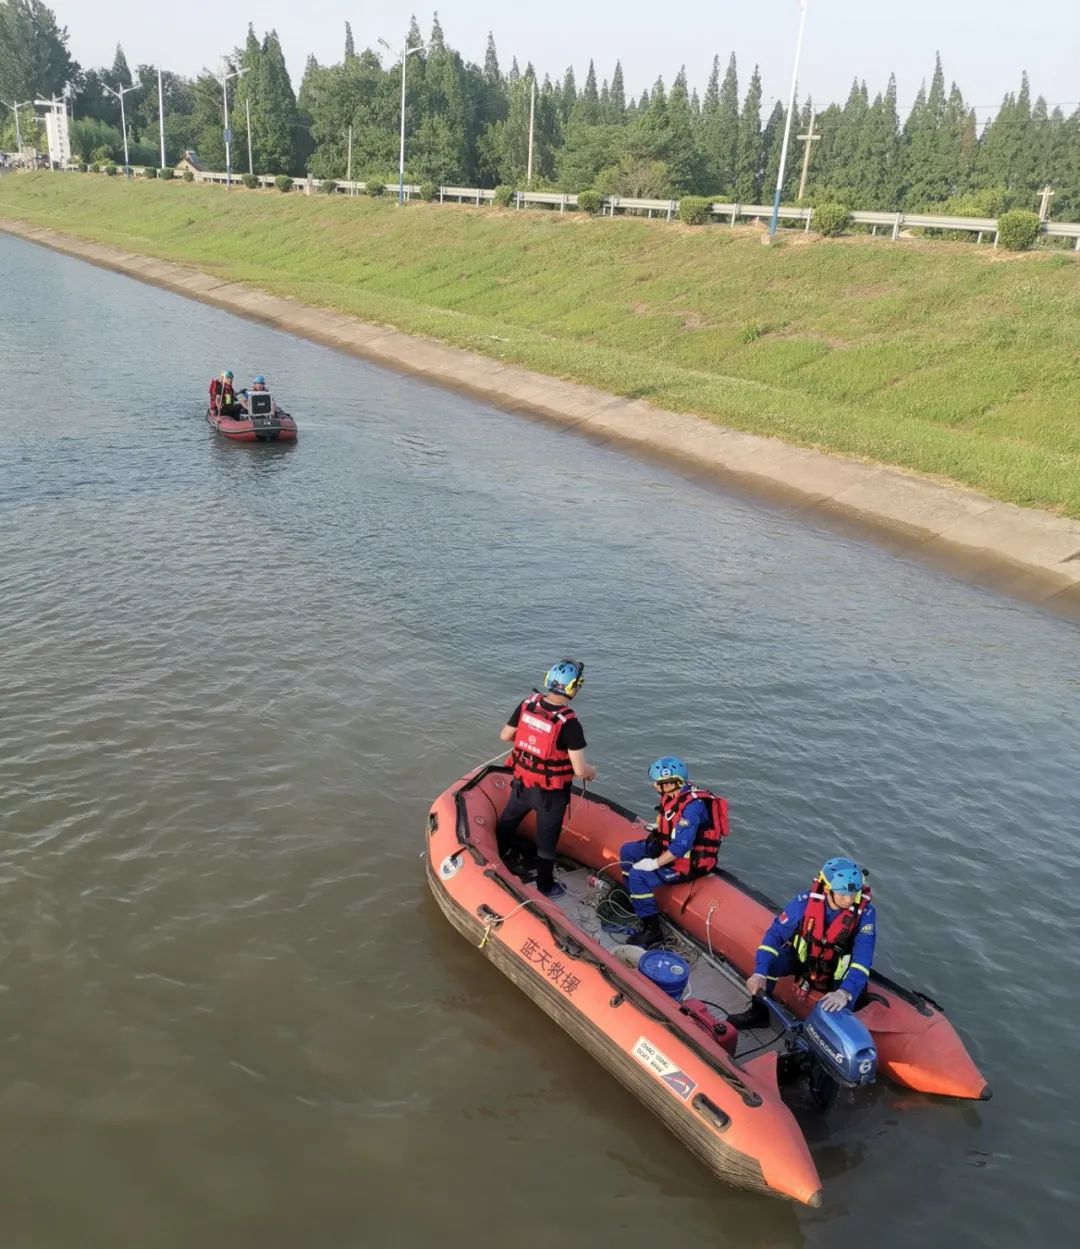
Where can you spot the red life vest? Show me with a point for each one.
(222, 395)
(825, 949)
(706, 847)
(535, 756)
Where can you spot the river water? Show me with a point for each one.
(232, 679)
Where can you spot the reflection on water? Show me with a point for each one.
(233, 677)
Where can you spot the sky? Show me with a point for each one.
(984, 44)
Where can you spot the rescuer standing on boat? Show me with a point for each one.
(547, 754)
(825, 937)
(685, 843)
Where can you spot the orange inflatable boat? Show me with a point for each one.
(716, 1089)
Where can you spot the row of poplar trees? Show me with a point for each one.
(467, 125)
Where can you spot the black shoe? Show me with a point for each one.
(651, 933)
(522, 867)
(758, 1016)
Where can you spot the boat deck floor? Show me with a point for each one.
(711, 979)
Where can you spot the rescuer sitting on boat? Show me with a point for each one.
(824, 936)
(223, 400)
(684, 844)
(548, 753)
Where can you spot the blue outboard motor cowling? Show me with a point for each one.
(842, 1045)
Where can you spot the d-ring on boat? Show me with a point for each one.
(716, 1089)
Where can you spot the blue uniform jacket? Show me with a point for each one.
(784, 927)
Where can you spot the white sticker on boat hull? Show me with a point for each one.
(659, 1064)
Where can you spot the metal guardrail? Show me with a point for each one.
(894, 222)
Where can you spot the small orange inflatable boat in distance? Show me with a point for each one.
(716, 1089)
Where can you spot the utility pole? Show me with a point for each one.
(348, 167)
(1044, 207)
(807, 140)
(803, 4)
(532, 117)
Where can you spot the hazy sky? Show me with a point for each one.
(984, 43)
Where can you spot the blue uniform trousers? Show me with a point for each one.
(640, 885)
(784, 964)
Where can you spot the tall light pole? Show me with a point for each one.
(123, 119)
(406, 52)
(532, 116)
(161, 115)
(224, 80)
(247, 115)
(787, 121)
(18, 130)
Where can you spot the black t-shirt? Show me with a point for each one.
(571, 735)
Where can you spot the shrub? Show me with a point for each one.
(1018, 230)
(110, 169)
(504, 196)
(166, 175)
(83, 168)
(283, 183)
(695, 210)
(328, 186)
(377, 189)
(590, 202)
(250, 181)
(188, 176)
(429, 191)
(101, 155)
(831, 219)
(148, 172)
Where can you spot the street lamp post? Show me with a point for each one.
(532, 117)
(247, 114)
(224, 80)
(161, 116)
(787, 121)
(123, 119)
(18, 130)
(406, 52)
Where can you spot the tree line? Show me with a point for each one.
(468, 124)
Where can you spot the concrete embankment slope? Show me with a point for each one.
(1027, 553)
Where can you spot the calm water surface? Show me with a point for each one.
(232, 679)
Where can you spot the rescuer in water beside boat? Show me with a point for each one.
(683, 844)
(824, 936)
(548, 753)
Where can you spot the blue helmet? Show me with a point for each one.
(669, 769)
(259, 380)
(843, 876)
(565, 677)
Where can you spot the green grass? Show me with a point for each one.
(957, 362)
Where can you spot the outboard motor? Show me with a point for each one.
(841, 1051)
(261, 404)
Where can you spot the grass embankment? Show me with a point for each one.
(954, 361)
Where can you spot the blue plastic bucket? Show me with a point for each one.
(670, 972)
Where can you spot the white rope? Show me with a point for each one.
(497, 921)
(708, 934)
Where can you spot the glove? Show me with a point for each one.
(838, 999)
(646, 865)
